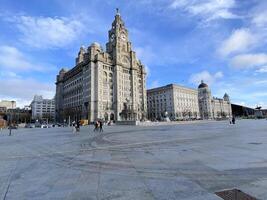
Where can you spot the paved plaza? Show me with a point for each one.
(183, 161)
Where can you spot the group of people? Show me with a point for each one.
(98, 126)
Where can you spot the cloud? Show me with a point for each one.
(246, 61)
(262, 69)
(13, 59)
(154, 84)
(145, 54)
(260, 19)
(8, 74)
(206, 77)
(208, 9)
(47, 32)
(239, 41)
(23, 90)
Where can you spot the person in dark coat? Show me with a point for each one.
(96, 126)
(233, 120)
(101, 126)
(78, 127)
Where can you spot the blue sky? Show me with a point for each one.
(223, 42)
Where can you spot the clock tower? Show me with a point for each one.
(118, 45)
(129, 73)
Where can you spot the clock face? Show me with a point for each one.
(123, 36)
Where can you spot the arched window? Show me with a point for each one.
(105, 77)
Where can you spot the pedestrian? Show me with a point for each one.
(73, 127)
(96, 126)
(101, 126)
(233, 120)
(230, 120)
(78, 127)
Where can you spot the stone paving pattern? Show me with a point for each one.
(185, 161)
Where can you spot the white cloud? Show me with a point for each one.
(154, 84)
(246, 61)
(47, 32)
(145, 54)
(23, 90)
(260, 19)
(206, 77)
(147, 57)
(9, 74)
(262, 69)
(239, 41)
(13, 59)
(209, 9)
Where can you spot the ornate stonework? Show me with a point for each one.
(103, 81)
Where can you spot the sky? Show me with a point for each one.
(223, 42)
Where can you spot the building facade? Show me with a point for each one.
(176, 101)
(8, 104)
(43, 109)
(212, 107)
(185, 103)
(109, 85)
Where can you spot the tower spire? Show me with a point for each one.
(117, 11)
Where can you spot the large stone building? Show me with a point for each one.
(43, 109)
(211, 107)
(108, 85)
(179, 102)
(8, 104)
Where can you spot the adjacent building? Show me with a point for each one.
(5, 104)
(104, 84)
(212, 107)
(180, 102)
(176, 101)
(43, 109)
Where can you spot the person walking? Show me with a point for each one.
(233, 120)
(101, 126)
(96, 126)
(78, 127)
(73, 127)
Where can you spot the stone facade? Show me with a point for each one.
(211, 107)
(179, 102)
(8, 104)
(185, 103)
(43, 108)
(109, 85)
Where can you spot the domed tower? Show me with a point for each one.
(204, 101)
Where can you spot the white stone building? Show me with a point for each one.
(185, 103)
(108, 85)
(211, 107)
(179, 102)
(43, 109)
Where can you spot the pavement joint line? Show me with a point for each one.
(10, 180)
(142, 143)
(142, 177)
(108, 147)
